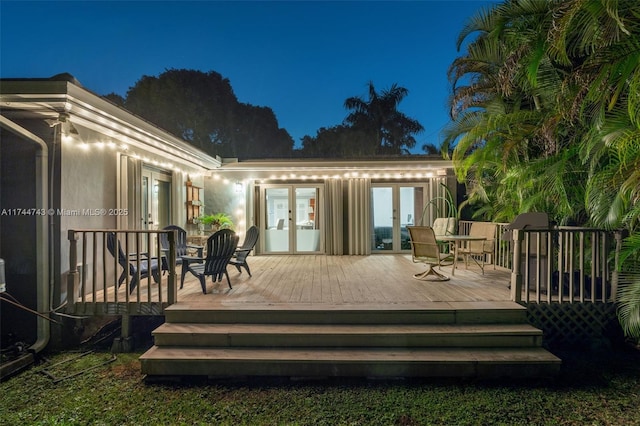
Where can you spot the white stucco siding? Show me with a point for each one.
(88, 185)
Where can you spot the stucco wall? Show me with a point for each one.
(88, 185)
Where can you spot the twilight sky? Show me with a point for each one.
(300, 58)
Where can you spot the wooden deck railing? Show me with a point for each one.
(561, 264)
(92, 281)
(564, 265)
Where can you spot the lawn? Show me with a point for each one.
(104, 389)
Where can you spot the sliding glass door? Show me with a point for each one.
(394, 207)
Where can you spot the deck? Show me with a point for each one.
(365, 316)
(336, 280)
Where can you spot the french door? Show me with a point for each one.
(291, 219)
(394, 207)
(156, 199)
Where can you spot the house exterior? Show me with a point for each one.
(70, 159)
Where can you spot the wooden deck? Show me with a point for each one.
(329, 280)
(348, 316)
(375, 279)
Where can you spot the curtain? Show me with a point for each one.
(334, 228)
(359, 216)
(178, 199)
(130, 173)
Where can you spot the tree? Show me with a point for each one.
(546, 116)
(256, 131)
(389, 130)
(341, 141)
(202, 109)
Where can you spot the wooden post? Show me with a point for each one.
(124, 343)
(72, 276)
(172, 284)
(516, 274)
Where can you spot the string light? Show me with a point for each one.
(101, 145)
(124, 148)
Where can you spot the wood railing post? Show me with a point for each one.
(516, 274)
(172, 286)
(72, 276)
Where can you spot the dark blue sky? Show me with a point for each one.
(301, 59)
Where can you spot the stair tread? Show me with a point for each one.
(329, 329)
(354, 355)
(345, 307)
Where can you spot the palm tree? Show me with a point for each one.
(390, 131)
(546, 116)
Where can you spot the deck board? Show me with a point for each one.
(320, 279)
(350, 280)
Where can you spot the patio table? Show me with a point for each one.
(458, 242)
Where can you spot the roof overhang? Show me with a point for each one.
(404, 167)
(49, 99)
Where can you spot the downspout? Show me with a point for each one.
(42, 240)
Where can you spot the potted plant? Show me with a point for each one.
(217, 221)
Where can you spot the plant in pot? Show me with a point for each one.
(217, 221)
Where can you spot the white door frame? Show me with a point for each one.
(297, 231)
(398, 221)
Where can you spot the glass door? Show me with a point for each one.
(292, 220)
(308, 238)
(156, 199)
(395, 206)
(277, 218)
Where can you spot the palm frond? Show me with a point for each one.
(629, 303)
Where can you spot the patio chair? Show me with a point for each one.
(444, 226)
(182, 248)
(478, 250)
(239, 258)
(425, 249)
(181, 243)
(220, 247)
(136, 265)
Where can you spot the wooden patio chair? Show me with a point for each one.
(182, 247)
(425, 249)
(220, 248)
(478, 250)
(239, 258)
(136, 265)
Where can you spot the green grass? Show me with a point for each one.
(600, 390)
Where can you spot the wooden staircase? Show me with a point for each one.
(440, 339)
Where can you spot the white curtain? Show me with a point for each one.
(130, 172)
(334, 228)
(178, 199)
(359, 216)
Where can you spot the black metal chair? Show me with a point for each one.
(239, 258)
(220, 248)
(136, 265)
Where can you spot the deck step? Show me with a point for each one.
(353, 362)
(440, 339)
(347, 335)
(401, 313)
